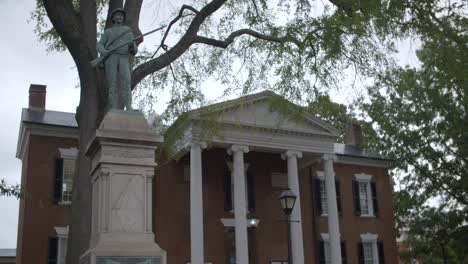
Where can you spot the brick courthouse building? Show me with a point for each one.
(195, 213)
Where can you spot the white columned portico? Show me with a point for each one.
(196, 203)
(297, 244)
(333, 221)
(240, 210)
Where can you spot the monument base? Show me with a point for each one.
(125, 253)
(123, 154)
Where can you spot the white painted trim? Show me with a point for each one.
(369, 237)
(320, 175)
(68, 153)
(62, 231)
(228, 222)
(325, 237)
(363, 177)
(27, 130)
(231, 222)
(372, 238)
(256, 139)
(362, 161)
(367, 179)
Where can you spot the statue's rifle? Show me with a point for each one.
(101, 58)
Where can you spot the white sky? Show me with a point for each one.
(25, 61)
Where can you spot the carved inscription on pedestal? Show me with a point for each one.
(127, 155)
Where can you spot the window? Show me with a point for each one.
(365, 195)
(320, 194)
(368, 253)
(64, 173)
(229, 189)
(370, 250)
(67, 183)
(323, 197)
(324, 253)
(58, 246)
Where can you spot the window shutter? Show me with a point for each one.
(338, 195)
(357, 203)
(321, 252)
(58, 180)
(317, 196)
(251, 192)
(344, 259)
(381, 252)
(227, 192)
(53, 249)
(374, 199)
(360, 253)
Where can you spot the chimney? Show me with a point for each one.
(37, 97)
(353, 135)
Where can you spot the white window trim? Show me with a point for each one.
(231, 170)
(363, 177)
(62, 235)
(367, 179)
(67, 154)
(372, 238)
(326, 239)
(231, 222)
(320, 175)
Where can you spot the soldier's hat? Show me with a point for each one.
(117, 10)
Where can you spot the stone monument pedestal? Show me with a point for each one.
(123, 162)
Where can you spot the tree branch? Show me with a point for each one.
(180, 47)
(225, 43)
(177, 18)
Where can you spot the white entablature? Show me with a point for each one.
(263, 121)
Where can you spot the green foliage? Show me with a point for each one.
(421, 116)
(6, 190)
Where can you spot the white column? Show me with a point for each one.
(297, 244)
(240, 210)
(196, 204)
(333, 221)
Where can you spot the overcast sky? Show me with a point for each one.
(25, 61)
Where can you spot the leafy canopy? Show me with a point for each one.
(421, 118)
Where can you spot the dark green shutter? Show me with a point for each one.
(374, 199)
(227, 191)
(58, 180)
(360, 253)
(53, 249)
(321, 252)
(318, 198)
(338, 195)
(251, 192)
(381, 252)
(357, 203)
(344, 259)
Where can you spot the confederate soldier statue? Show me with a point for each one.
(117, 58)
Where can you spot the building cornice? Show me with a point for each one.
(363, 161)
(32, 129)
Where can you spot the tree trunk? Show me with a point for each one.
(89, 114)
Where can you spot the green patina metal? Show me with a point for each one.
(117, 64)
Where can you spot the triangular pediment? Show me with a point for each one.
(262, 112)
